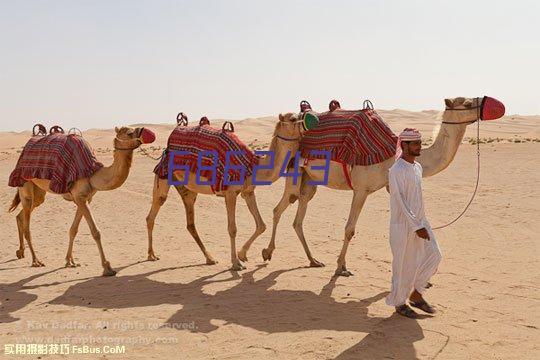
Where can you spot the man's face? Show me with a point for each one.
(413, 148)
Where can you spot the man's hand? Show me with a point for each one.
(423, 233)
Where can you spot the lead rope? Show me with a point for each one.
(145, 152)
(477, 177)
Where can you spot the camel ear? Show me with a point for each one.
(449, 103)
(116, 129)
(281, 117)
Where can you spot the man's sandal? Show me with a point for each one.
(406, 311)
(424, 306)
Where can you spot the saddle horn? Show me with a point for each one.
(367, 105)
(305, 106)
(231, 126)
(56, 130)
(204, 121)
(41, 130)
(75, 131)
(334, 105)
(181, 119)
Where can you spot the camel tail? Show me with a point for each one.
(16, 201)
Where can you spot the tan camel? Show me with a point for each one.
(286, 138)
(368, 179)
(32, 194)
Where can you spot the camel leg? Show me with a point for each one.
(189, 198)
(38, 197)
(19, 218)
(72, 233)
(230, 202)
(81, 204)
(359, 198)
(290, 195)
(306, 194)
(159, 196)
(260, 226)
(27, 192)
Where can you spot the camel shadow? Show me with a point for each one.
(14, 298)
(250, 303)
(253, 303)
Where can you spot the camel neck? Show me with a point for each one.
(279, 147)
(438, 156)
(113, 176)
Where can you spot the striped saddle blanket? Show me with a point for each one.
(353, 137)
(60, 158)
(194, 139)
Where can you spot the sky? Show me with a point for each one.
(97, 64)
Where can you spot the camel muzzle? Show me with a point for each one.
(491, 109)
(309, 120)
(147, 136)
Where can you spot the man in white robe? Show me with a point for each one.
(416, 254)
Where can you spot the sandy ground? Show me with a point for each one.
(486, 289)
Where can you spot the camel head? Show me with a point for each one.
(289, 126)
(293, 126)
(463, 110)
(128, 138)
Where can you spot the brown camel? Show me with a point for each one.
(459, 113)
(32, 194)
(287, 134)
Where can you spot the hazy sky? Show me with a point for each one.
(104, 63)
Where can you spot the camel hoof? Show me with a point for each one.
(343, 272)
(20, 253)
(242, 255)
(37, 263)
(315, 263)
(237, 267)
(72, 264)
(109, 272)
(266, 254)
(210, 261)
(152, 257)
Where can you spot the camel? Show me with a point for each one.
(286, 138)
(32, 195)
(459, 113)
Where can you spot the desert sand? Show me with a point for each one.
(486, 290)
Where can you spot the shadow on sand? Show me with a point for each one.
(252, 303)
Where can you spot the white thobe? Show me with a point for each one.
(415, 259)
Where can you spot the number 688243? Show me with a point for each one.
(212, 168)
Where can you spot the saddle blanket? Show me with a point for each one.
(353, 137)
(60, 158)
(195, 139)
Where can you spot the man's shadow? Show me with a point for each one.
(392, 338)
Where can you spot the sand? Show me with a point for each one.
(486, 289)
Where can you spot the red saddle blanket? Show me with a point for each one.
(195, 139)
(354, 137)
(60, 158)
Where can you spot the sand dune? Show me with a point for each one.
(486, 289)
